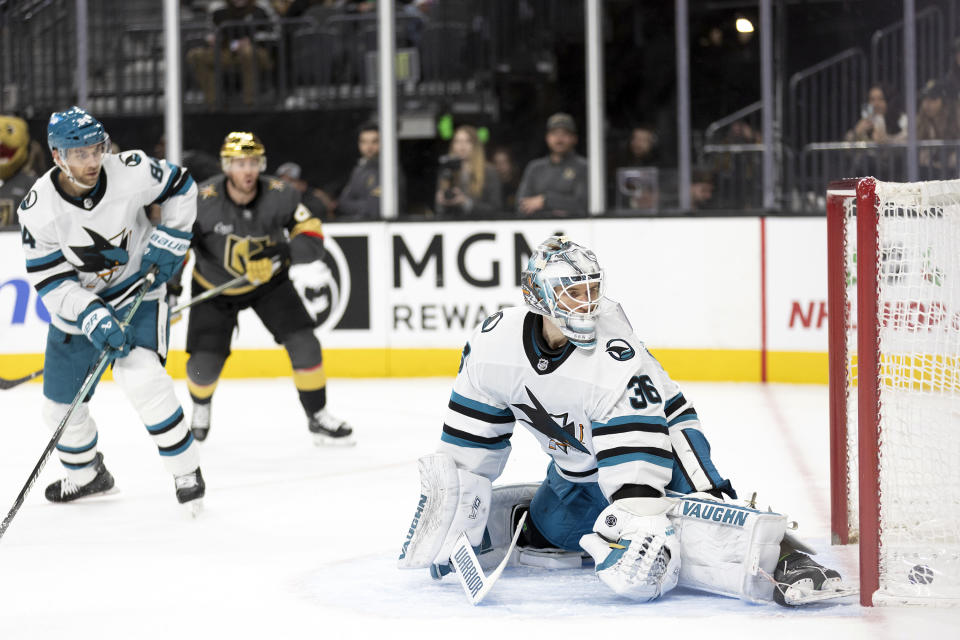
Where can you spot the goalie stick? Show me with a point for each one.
(475, 584)
(102, 361)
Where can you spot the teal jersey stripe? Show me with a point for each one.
(656, 420)
(460, 442)
(636, 457)
(480, 406)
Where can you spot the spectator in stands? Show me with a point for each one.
(241, 46)
(882, 120)
(360, 199)
(951, 81)
(467, 183)
(641, 150)
(557, 183)
(509, 175)
(937, 120)
(15, 179)
(318, 201)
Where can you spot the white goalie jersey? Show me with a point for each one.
(81, 249)
(610, 415)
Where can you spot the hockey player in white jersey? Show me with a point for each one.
(630, 481)
(88, 243)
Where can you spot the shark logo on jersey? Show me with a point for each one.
(620, 350)
(563, 433)
(102, 257)
(131, 159)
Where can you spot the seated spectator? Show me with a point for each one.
(360, 198)
(951, 81)
(882, 119)
(15, 177)
(317, 200)
(467, 184)
(241, 47)
(641, 150)
(509, 175)
(937, 120)
(557, 183)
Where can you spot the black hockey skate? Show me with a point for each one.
(65, 490)
(190, 490)
(801, 579)
(328, 430)
(200, 420)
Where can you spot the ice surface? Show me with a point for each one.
(301, 542)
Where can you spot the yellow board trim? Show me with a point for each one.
(719, 365)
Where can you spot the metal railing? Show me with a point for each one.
(300, 62)
(819, 163)
(824, 100)
(886, 50)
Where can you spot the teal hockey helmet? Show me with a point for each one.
(74, 128)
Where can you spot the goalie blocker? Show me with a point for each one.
(725, 548)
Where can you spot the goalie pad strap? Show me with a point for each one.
(724, 546)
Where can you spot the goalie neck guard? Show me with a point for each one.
(242, 144)
(563, 281)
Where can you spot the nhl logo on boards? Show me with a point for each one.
(542, 364)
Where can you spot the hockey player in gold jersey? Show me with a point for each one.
(250, 224)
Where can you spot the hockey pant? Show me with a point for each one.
(145, 382)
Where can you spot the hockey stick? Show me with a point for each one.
(9, 384)
(206, 295)
(174, 317)
(210, 293)
(468, 570)
(102, 360)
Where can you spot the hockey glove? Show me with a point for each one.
(259, 271)
(635, 549)
(103, 329)
(166, 249)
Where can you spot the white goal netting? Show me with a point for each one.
(918, 413)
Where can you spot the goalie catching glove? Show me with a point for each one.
(635, 549)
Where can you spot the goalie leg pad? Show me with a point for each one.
(724, 547)
(452, 501)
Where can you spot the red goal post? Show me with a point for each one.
(893, 254)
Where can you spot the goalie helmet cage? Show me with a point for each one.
(893, 258)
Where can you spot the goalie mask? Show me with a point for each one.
(242, 144)
(564, 281)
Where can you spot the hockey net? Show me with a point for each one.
(894, 299)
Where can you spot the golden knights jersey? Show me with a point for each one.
(227, 234)
(82, 249)
(610, 415)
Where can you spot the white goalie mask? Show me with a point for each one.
(564, 281)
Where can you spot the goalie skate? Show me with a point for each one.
(799, 579)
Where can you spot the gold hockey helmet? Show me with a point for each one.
(242, 144)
